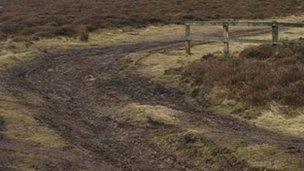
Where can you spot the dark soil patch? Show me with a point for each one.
(61, 18)
(1, 127)
(1, 123)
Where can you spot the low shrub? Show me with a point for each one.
(256, 76)
(64, 31)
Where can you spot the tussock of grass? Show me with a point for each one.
(220, 100)
(21, 125)
(269, 157)
(283, 119)
(12, 53)
(197, 151)
(40, 160)
(148, 116)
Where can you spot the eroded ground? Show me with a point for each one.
(111, 104)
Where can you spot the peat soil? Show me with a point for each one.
(82, 90)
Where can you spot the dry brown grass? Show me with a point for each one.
(147, 116)
(269, 157)
(194, 149)
(21, 125)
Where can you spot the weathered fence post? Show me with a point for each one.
(276, 43)
(275, 38)
(187, 39)
(226, 39)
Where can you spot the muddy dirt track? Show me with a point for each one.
(83, 88)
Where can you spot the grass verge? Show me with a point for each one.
(148, 116)
(269, 157)
(194, 149)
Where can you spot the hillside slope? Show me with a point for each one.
(54, 17)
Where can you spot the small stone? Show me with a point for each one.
(89, 78)
(134, 34)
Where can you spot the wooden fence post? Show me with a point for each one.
(187, 39)
(226, 39)
(275, 38)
